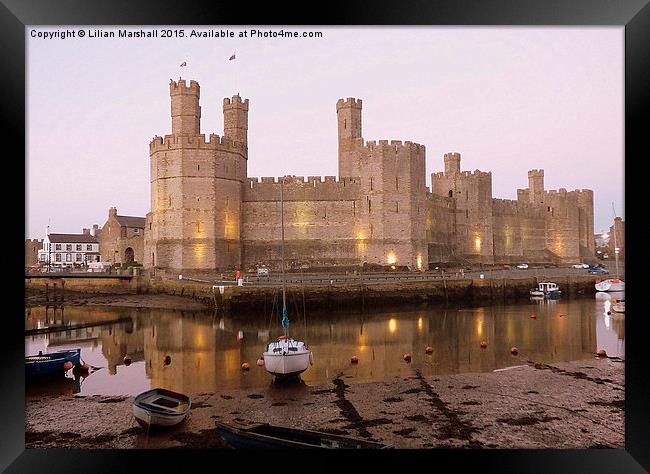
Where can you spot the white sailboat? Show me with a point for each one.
(612, 284)
(286, 357)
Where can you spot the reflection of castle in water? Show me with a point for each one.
(207, 357)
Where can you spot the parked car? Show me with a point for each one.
(580, 265)
(263, 271)
(522, 266)
(598, 271)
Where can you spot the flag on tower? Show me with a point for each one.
(232, 56)
(183, 64)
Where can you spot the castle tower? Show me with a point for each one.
(196, 188)
(472, 192)
(235, 119)
(348, 113)
(186, 112)
(452, 163)
(536, 186)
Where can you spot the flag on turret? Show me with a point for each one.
(183, 64)
(232, 56)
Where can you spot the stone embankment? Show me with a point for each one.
(351, 294)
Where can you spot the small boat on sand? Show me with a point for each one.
(161, 407)
(52, 363)
(264, 435)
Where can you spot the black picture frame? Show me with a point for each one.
(634, 15)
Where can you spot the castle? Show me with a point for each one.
(207, 214)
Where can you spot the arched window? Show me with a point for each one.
(451, 193)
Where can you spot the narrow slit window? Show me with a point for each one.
(371, 183)
(369, 207)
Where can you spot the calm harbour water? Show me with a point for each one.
(207, 350)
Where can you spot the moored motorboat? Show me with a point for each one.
(51, 363)
(546, 289)
(161, 407)
(264, 435)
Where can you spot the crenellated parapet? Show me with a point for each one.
(508, 207)
(316, 188)
(235, 102)
(201, 141)
(394, 145)
(181, 87)
(350, 102)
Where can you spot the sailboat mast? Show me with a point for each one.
(615, 241)
(284, 293)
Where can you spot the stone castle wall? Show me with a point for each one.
(207, 214)
(321, 222)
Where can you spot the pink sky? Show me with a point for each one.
(508, 99)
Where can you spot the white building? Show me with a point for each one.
(69, 250)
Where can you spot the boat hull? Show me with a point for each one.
(51, 364)
(277, 437)
(287, 365)
(153, 408)
(610, 285)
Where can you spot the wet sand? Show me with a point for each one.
(578, 404)
(37, 298)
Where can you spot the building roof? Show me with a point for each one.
(131, 221)
(72, 238)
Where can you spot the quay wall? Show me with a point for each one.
(353, 296)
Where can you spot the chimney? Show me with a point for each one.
(86, 231)
(94, 230)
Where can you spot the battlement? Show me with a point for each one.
(235, 102)
(349, 102)
(535, 173)
(464, 174)
(508, 207)
(214, 142)
(452, 155)
(181, 87)
(299, 188)
(396, 145)
(300, 180)
(476, 174)
(34, 241)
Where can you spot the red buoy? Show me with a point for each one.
(260, 362)
(429, 350)
(514, 350)
(167, 360)
(354, 359)
(245, 366)
(532, 316)
(127, 360)
(407, 357)
(68, 365)
(281, 338)
(483, 344)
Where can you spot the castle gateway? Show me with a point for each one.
(207, 214)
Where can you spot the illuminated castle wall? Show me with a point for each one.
(208, 215)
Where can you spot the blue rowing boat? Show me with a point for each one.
(51, 363)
